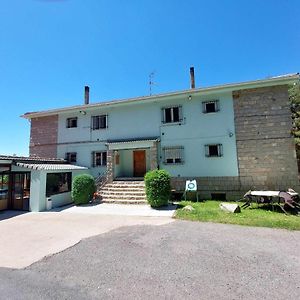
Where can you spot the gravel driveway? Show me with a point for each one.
(179, 260)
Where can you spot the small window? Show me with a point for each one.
(172, 114)
(173, 155)
(72, 122)
(71, 157)
(213, 150)
(58, 183)
(99, 122)
(218, 196)
(99, 159)
(210, 106)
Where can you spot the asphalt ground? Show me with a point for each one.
(177, 260)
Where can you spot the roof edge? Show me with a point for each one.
(284, 79)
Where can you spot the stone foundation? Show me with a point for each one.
(230, 186)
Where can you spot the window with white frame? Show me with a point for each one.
(172, 114)
(214, 150)
(71, 157)
(210, 106)
(71, 122)
(99, 158)
(173, 155)
(99, 122)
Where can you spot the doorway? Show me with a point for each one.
(139, 163)
(20, 191)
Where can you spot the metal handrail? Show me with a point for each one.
(101, 179)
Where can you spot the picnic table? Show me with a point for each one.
(282, 199)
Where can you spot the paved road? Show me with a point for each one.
(179, 260)
(27, 238)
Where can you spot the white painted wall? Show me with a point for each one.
(38, 197)
(136, 120)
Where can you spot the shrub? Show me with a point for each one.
(83, 188)
(158, 187)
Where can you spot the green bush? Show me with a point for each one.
(158, 187)
(83, 188)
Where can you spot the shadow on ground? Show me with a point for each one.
(7, 214)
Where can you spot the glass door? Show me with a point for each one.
(20, 191)
(4, 183)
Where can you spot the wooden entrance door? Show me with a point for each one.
(139, 163)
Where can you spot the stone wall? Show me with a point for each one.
(208, 185)
(265, 147)
(43, 136)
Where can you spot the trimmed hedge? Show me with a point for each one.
(83, 188)
(158, 187)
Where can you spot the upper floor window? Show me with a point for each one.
(172, 114)
(99, 158)
(99, 122)
(71, 157)
(210, 106)
(173, 155)
(215, 150)
(71, 122)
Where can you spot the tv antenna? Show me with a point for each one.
(151, 82)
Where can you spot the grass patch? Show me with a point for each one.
(209, 211)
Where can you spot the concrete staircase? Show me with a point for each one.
(123, 192)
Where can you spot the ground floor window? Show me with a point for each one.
(99, 158)
(71, 157)
(173, 155)
(58, 183)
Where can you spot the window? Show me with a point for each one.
(213, 150)
(99, 159)
(99, 122)
(72, 122)
(173, 155)
(71, 157)
(210, 106)
(172, 114)
(58, 183)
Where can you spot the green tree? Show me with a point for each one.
(294, 93)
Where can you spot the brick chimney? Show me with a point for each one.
(192, 76)
(86, 95)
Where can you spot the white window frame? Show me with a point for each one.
(103, 162)
(69, 122)
(219, 150)
(68, 156)
(180, 118)
(215, 102)
(99, 122)
(178, 153)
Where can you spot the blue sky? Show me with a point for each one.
(50, 49)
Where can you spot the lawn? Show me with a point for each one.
(209, 211)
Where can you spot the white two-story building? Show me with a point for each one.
(230, 138)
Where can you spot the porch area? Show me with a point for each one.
(131, 158)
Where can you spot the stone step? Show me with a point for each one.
(125, 185)
(118, 192)
(120, 182)
(127, 190)
(124, 197)
(118, 201)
